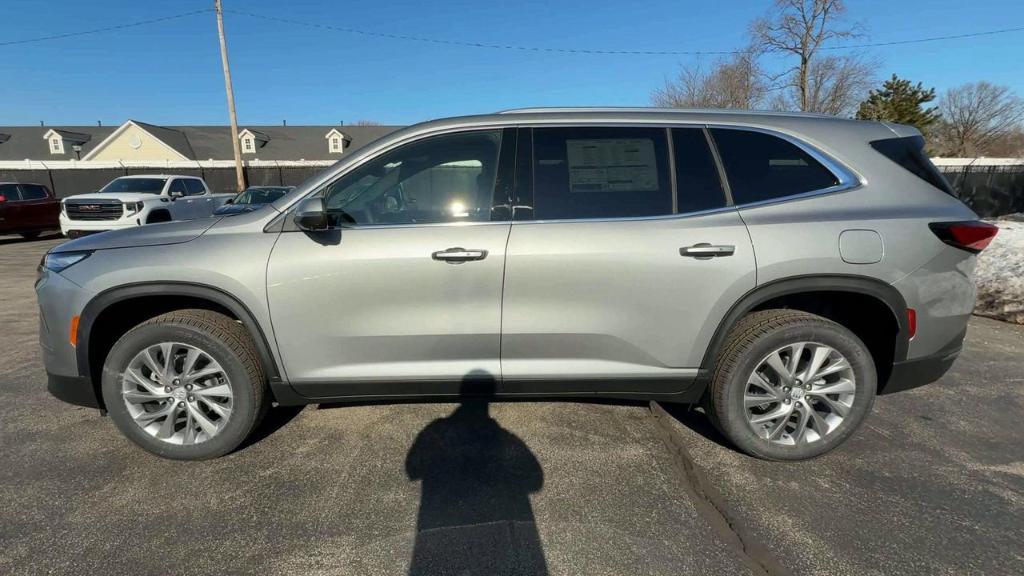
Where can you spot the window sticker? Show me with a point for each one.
(612, 165)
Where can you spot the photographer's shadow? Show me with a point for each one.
(475, 515)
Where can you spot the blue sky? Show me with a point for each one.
(169, 73)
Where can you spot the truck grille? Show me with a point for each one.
(93, 209)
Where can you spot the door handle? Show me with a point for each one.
(458, 255)
(705, 251)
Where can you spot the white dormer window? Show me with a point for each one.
(251, 140)
(56, 145)
(335, 141)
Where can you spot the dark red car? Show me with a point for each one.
(27, 209)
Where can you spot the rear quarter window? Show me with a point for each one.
(763, 167)
(908, 152)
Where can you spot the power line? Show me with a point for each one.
(595, 51)
(491, 46)
(106, 29)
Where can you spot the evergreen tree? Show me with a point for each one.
(900, 101)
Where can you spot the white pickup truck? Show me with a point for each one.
(131, 201)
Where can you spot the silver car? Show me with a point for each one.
(779, 269)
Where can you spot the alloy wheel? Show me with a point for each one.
(177, 393)
(799, 393)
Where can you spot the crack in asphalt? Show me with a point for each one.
(709, 503)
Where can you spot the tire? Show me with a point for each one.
(30, 235)
(748, 354)
(233, 360)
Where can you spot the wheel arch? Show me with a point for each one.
(168, 296)
(787, 292)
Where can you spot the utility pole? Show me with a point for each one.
(235, 145)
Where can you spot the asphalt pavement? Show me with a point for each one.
(933, 484)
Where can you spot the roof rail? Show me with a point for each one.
(648, 109)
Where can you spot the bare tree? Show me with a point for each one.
(831, 84)
(978, 116)
(736, 83)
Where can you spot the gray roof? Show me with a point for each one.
(27, 142)
(194, 142)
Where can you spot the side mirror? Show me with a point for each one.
(311, 216)
(175, 194)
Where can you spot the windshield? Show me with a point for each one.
(261, 195)
(144, 185)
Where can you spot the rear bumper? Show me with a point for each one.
(920, 371)
(76, 390)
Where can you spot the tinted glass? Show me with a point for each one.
(10, 192)
(194, 186)
(177, 186)
(258, 195)
(33, 192)
(909, 153)
(446, 178)
(600, 173)
(764, 167)
(697, 182)
(146, 185)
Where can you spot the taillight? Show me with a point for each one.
(973, 236)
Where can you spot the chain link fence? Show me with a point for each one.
(990, 191)
(71, 181)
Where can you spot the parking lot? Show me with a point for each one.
(933, 484)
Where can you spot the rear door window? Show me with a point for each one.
(10, 192)
(33, 192)
(195, 187)
(699, 187)
(763, 167)
(600, 173)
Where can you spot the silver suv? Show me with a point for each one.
(779, 269)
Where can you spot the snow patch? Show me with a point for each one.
(1000, 272)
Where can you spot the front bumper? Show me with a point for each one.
(77, 390)
(88, 226)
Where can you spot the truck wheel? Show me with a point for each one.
(186, 385)
(789, 385)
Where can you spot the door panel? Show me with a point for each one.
(608, 288)
(10, 208)
(602, 300)
(180, 208)
(372, 304)
(406, 286)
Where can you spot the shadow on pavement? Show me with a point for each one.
(698, 421)
(475, 515)
(15, 239)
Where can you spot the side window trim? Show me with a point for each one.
(673, 180)
(723, 178)
(847, 178)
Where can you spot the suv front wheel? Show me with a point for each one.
(790, 385)
(186, 385)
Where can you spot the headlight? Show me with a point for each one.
(132, 207)
(59, 261)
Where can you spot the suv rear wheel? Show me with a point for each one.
(186, 385)
(790, 385)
